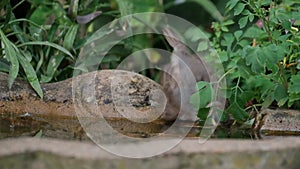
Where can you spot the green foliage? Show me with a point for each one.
(208, 5)
(43, 45)
(262, 58)
(39, 134)
(205, 96)
(10, 53)
(257, 41)
(211, 8)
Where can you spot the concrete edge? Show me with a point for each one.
(87, 150)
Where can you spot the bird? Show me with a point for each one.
(184, 69)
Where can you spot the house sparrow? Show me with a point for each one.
(179, 80)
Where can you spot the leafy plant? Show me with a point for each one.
(261, 57)
(257, 41)
(44, 42)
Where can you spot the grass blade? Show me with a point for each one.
(46, 43)
(38, 134)
(73, 8)
(70, 37)
(210, 8)
(30, 74)
(4, 67)
(11, 54)
(53, 64)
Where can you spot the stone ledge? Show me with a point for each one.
(278, 152)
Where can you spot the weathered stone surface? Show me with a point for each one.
(272, 153)
(58, 97)
(279, 122)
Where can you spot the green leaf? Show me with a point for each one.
(194, 34)
(224, 28)
(286, 24)
(231, 4)
(264, 57)
(237, 112)
(202, 46)
(203, 113)
(228, 22)
(11, 54)
(43, 11)
(31, 75)
(8, 16)
(293, 98)
(295, 84)
(243, 43)
(282, 101)
(200, 85)
(223, 56)
(46, 43)
(210, 8)
(273, 54)
(52, 32)
(203, 96)
(267, 98)
(263, 82)
(239, 8)
(18, 31)
(74, 8)
(238, 34)
(3, 3)
(4, 67)
(280, 93)
(263, 87)
(251, 17)
(53, 64)
(228, 40)
(254, 32)
(254, 58)
(266, 2)
(243, 22)
(40, 14)
(70, 37)
(244, 97)
(248, 124)
(114, 58)
(246, 12)
(28, 55)
(38, 134)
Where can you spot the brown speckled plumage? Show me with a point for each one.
(179, 67)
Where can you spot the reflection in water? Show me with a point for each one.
(15, 125)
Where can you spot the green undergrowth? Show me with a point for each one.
(257, 41)
(258, 44)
